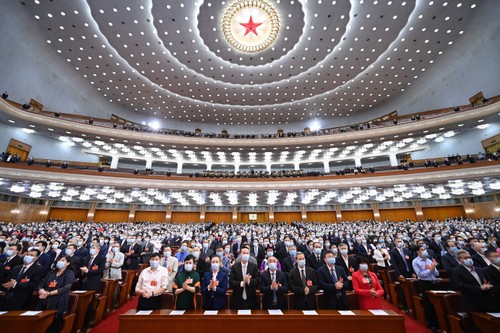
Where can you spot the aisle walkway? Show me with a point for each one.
(110, 324)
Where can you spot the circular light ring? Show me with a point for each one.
(237, 7)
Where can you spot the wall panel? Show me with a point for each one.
(102, 215)
(5, 211)
(219, 217)
(441, 213)
(68, 214)
(261, 217)
(396, 215)
(185, 217)
(330, 216)
(150, 216)
(287, 217)
(355, 215)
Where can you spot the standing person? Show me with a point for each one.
(114, 262)
(186, 285)
(151, 284)
(427, 274)
(382, 257)
(53, 293)
(273, 285)
(367, 286)
(333, 280)
(171, 264)
(400, 259)
(92, 269)
(132, 252)
(244, 279)
(214, 286)
(303, 282)
(22, 281)
(182, 254)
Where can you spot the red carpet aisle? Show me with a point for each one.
(411, 325)
(110, 324)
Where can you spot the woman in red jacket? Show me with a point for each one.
(367, 287)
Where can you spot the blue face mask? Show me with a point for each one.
(219, 254)
(215, 266)
(317, 250)
(301, 263)
(154, 263)
(343, 251)
(60, 264)
(245, 257)
(270, 254)
(330, 261)
(363, 267)
(453, 249)
(183, 248)
(293, 253)
(115, 249)
(273, 266)
(68, 252)
(28, 259)
(93, 252)
(9, 253)
(188, 267)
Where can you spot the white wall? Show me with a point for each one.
(462, 144)
(44, 147)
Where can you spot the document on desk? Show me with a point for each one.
(2, 312)
(79, 291)
(379, 312)
(30, 313)
(494, 314)
(211, 312)
(346, 313)
(143, 312)
(275, 312)
(244, 312)
(177, 312)
(442, 291)
(310, 312)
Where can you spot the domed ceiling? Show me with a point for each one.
(251, 61)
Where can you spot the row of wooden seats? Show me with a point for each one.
(451, 316)
(168, 300)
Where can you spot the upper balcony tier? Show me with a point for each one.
(430, 121)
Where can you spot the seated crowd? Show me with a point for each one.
(271, 260)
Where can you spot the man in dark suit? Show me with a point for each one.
(303, 282)
(363, 249)
(236, 248)
(92, 269)
(449, 260)
(132, 252)
(214, 286)
(479, 258)
(257, 251)
(81, 250)
(273, 285)
(244, 279)
(289, 262)
(400, 260)
(492, 243)
(206, 253)
(348, 263)
(333, 280)
(46, 258)
(11, 260)
(477, 292)
(147, 250)
(316, 259)
(437, 246)
(22, 281)
(492, 274)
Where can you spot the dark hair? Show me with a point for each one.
(35, 250)
(44, 243)
(154, 255)
(189, 257)
(328, 251)
(362, 260)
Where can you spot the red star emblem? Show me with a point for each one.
(251, 26)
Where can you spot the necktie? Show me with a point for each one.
(275, 298)
(303, 277)
(244, 294)
(165, 263)
(90, 261)
(404, 260)
(21, 273)
(334, 276)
